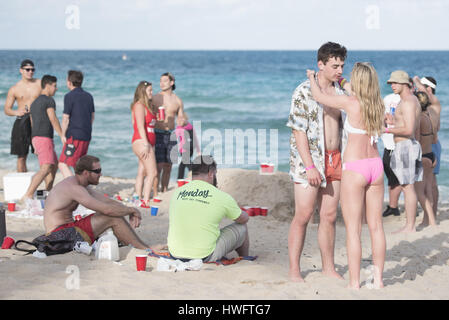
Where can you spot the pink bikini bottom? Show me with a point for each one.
(370, 168)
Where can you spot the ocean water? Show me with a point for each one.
(239, 100)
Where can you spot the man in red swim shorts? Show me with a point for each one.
(77, 119)
(65, 197)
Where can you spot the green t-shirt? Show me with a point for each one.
(196, 210)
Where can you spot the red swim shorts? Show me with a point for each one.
(84, 225)
(332, 168)
(44, 147)
(80, 146)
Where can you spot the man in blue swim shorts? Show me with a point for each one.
(165, 136)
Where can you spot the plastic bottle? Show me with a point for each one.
(107, 247)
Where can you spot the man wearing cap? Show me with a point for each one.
(24, 92)
(406, 158)
(428, 85)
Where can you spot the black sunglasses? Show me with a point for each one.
(97, 171)
(28, 69)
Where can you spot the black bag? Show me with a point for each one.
(57, 242)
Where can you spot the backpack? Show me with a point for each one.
(57, 242)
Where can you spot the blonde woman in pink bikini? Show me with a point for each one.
(362, 183)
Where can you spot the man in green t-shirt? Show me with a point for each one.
(196, 210)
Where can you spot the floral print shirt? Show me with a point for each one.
(307, 115)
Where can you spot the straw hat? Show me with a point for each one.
(399, 76)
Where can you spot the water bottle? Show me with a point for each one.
(107, 247)
(2, 223)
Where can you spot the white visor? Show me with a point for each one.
(425, 81)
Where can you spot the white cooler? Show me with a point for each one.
(16, 184)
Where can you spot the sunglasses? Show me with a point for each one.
(29, 69)
(97, 171)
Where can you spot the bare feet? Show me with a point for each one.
(355, 286)
(295, 277)
(405, 230)
(332, 274)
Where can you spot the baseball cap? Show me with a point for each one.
(26, 62)
(399, 76)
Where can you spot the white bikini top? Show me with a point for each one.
(351, 129)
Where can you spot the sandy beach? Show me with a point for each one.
(416, 264)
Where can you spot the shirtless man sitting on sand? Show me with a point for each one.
(165, 137)
(65, 197)
(24, 92)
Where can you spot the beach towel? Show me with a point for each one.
(223, 261)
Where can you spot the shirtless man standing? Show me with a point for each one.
(164, 129)
(406, 158)
(24, 92)
(428, 85)
(315, 161)
(65, 197)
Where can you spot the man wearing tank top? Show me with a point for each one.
(315, 161)
(406, 157)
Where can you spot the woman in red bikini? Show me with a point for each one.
(144, 138)
(362, 182)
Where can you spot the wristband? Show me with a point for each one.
(341, 81)
(311, 167)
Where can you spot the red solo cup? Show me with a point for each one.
(106, 195)
(250, 211)
(118, 197)
(181, 182)
(156, 199)
(270, 168)
(263, 211)
(185, 182)
(141, 262)
(161, 113)
(263, 167)
(11, 206)
(256, 211)
(7, 243)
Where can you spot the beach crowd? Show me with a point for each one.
(334, 160)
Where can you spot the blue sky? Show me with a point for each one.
(223, 24)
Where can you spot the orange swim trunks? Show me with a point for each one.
(332, 169)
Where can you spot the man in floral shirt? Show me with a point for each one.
(315, 160)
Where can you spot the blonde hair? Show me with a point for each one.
(140, 95)
(365, 86)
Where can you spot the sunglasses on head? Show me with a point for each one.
(29, 69)
(97, 171)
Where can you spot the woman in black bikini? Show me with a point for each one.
(427, 136)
